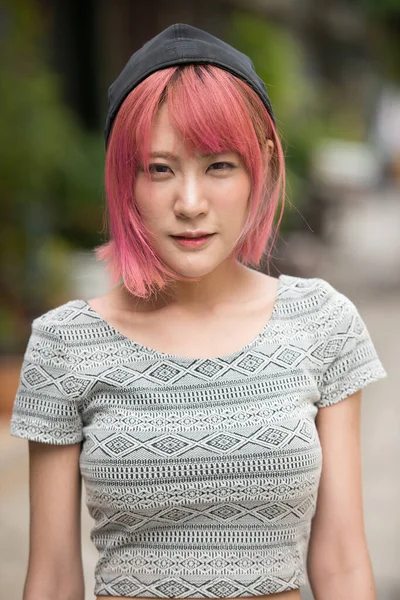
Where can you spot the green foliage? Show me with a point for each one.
(50, 169)
(278, 60)
(383, 18)
(306, 110)
(380, 8)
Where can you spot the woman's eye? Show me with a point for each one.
(158, 169)
(222, 166)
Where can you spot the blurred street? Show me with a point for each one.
(381, 454)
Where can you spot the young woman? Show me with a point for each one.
(211, 410)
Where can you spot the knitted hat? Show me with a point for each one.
(179, 45)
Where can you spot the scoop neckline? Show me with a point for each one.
(168, 356)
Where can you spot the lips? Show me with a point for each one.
(192, 237)
(192, 234)
(192, 242)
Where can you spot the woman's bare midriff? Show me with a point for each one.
(292, 595)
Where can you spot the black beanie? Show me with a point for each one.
(179, 45)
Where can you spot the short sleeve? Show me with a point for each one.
(46, 405)
(350, 358)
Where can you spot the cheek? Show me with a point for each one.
(232, 189)
(239, 195)
(145, 201)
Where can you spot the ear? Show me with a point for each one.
(268, 151)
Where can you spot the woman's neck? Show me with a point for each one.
(226, 283)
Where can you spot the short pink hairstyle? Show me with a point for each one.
(214, 112)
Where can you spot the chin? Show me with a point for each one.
(192, 274)
(193, 271)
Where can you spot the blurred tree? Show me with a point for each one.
(381, 8)
(384, 24)
(278, 59)
(317, 77)
(51, 173)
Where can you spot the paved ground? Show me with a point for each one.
(381, 452)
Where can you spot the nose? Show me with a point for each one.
(190, 201)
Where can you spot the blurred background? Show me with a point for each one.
(332, 69)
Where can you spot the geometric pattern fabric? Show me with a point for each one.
(201, 475)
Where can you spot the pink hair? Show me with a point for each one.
(214, 112)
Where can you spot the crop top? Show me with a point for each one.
(202, 474)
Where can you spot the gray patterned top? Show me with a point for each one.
(201, 475)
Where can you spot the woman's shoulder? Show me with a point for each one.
(314, 303)
(63, 337)
(312, 291)
(60, 317)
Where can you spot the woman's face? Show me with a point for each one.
(191, 194)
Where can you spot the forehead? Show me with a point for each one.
(163, 135)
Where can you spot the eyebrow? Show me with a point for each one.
(170, 156)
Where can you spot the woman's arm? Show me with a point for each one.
(55, 556)
(338, 563)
